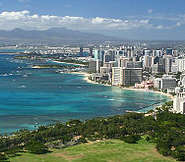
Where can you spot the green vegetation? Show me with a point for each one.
(29, 57)
(55, 66)
(72, 61)
(178, 75)
(36, 147)
(163, 129)
(102, 151)
(54, 58)
(159, 75)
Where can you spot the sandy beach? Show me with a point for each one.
(86, 75)
(86, 78)
(67, 63)
(36, 67)
(10, 53)
(148, 90)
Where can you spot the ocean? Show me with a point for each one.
(33, 97)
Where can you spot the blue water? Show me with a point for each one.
(32, 97)
(11, 50)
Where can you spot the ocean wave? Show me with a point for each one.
(111, 99)
(22, 86)
(6, 74)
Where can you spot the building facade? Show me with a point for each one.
(179, 103)
(164, 83)
(126, 76)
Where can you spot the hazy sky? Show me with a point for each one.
(134, 19)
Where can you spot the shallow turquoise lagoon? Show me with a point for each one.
(33, 97)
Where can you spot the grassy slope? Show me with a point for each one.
(111, 151)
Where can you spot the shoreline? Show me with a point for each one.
(9, 53)
(60, 62)
(86, 78)
(86, 75)
(149, 90)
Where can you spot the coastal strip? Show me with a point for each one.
(10, 53)
(61, 62)
(86, 78)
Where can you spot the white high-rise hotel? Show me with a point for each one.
(179, 103)
(126, 76)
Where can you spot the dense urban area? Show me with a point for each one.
(128, 65)
(132, 66)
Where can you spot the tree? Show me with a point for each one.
(179, 153)
(36, 148)
(131, 138)
(3, 158)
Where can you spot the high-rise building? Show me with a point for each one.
(123, 62)
(179, 103)
(107, 58)
(81, 50)
(169, 51)
(131, 76)
(168, 64)
(126, 76)
(90, 51)
(147, 52)
(98, 65)
(164, 83)
(148, 61)
(117, 76)
(131, 64)
(161, 65)
(181, 65)
(98, 54)
(92, 66)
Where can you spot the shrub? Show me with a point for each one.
(131, 138)
(179, 153)
(36, 148)
(3, 158)
(82, 140)
(163, 148)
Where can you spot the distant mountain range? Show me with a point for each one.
(53, 35)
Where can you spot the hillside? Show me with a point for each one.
(53, 35)
(149, 139)
(109, 150)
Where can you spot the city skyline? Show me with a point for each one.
(159, 20)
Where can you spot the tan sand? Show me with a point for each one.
(86, 75)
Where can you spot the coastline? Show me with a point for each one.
(148, 90)
(86, 75)
(86, 78)
(10, 53)
(60, 62)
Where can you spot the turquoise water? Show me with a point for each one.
(32, 97)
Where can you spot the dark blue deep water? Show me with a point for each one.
(31, 97)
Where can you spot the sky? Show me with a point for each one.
(126, 19)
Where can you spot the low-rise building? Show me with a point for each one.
(145, 84)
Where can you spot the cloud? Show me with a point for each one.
(178, 24)
(150, 11)
(26, 20)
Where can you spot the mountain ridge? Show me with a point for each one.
(52, 35)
